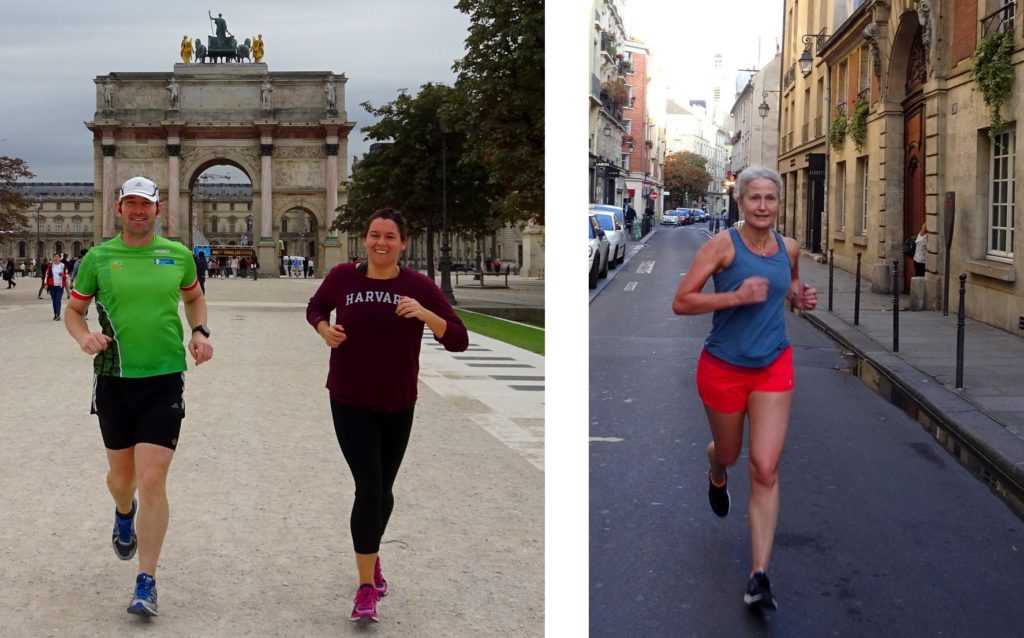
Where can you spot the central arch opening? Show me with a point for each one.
(221, 222)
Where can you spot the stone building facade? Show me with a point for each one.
(929, 155)
(61, 221)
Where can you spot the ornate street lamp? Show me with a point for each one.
(806, 60)
(764, 108)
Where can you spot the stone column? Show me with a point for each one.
(266, 247)
(335, 251)
(266, 187)
(109, 190)
(172, 206)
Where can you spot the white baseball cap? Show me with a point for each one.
(142, 187)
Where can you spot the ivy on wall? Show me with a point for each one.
(837, 132)
(857, 126)
(992, 71)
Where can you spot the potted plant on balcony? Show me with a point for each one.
(992, 71)
(857, 126)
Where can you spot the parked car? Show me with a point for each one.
(685, 216)
(670, 218)
(599, 250)
(610, 218)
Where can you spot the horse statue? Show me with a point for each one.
(200, 51)
(243, 51)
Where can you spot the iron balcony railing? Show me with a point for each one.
(1001, 19)
(790, 77)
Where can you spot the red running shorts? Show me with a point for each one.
(724, 387)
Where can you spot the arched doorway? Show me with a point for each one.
(220, 205)
(299, 234)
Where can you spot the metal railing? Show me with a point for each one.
(1001, 18)
(790, 76)
(595, 87)
(818, 131)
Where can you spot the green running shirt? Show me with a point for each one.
(137, 291)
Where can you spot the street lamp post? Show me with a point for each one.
(445, 263)
(39, 211)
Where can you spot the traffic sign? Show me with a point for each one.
(653, 195)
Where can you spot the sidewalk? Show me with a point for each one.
(258, 543)
(982, 423)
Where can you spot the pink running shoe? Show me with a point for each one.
(378, 580)
(365, 604)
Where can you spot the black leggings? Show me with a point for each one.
(373, 444)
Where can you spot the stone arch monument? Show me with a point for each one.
(288, 132)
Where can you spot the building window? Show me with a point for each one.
(862, 192)
(214, 205)
(248, 206)
(58, 205)
(77, 224)
(213, 225)
(841, 196)
(284, 225)
(59, 222)
(231, 223)
(232, 207)
(842, 89)
(1001, 200)
(864, 78)
(21, 249)
(77, 204)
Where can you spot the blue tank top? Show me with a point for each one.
(751, 336)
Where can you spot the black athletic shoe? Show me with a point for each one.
(759, 593)
(719, 496)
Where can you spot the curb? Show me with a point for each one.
(977, 441)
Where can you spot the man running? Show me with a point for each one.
(137, 279)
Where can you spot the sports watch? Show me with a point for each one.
(201, 329)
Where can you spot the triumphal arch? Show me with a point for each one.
(288, 132)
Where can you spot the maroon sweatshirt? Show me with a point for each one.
(377, 366)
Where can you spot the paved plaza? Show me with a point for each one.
(258, 543)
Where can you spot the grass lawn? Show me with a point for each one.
(517, 334)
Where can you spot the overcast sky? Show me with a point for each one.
(685, 36)
(51, 51)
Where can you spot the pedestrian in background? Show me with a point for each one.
(920, 249)
(745, 370)
(9, 273)
(201, 266)
(381, 309)
(138, 388)
(44, 267)
(56, 281)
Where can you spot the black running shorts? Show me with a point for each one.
(144, 410)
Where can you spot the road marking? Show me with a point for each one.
(605, 439)
(645, 268)
(630, 287)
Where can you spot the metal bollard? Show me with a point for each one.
(895, 306)
(856, 295)
(960, 335)
(831, 275)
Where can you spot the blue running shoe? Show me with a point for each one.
(144, 602)
(123, 539)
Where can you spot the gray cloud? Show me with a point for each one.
(51, 52)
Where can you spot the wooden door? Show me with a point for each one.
(913, 183)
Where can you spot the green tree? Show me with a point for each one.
(685, 173)
(501, 88)
(12, 201)
(404, 169)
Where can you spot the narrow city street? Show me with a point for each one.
(880, 532)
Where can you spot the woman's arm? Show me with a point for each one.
(715, 255)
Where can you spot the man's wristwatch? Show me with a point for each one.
(201, 329)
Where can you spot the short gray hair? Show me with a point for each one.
(757, 172)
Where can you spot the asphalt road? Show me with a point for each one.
(881, 533)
